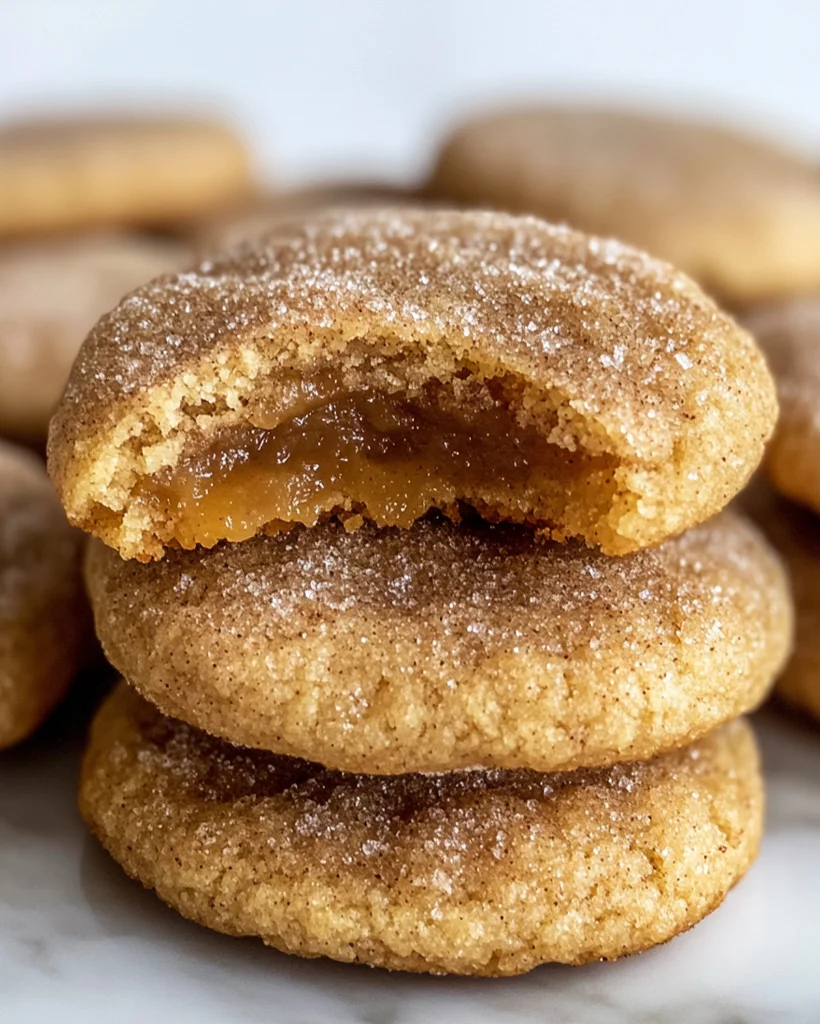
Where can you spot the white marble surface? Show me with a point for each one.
(80, 942)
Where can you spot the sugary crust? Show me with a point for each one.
(795, 533)
(608, 352)
(789, 334)
(114, 171)
(45, 628)
(737, 212)
(51, 295)
(441, 647)
(484, 873)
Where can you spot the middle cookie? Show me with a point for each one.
(442, 647)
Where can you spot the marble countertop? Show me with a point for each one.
(81, 942)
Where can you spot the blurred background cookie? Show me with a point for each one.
(260, 215)
(795, 533)
(51, 294)
(789, 334)
(92, 171)
(737, 212)
(45, 627)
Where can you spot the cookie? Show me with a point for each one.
(478, 872)
(377, 363)
(442, 647)
(737, 212)
(106, 171)
(795, 533)
(263, 213)
(789, 334)
(45, 629)
(51, 295)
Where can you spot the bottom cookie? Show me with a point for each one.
(472, 872)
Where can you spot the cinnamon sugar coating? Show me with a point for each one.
(789, 334)
(51, 295)
(45, 629)
(795, 533)
(85, 172)
(631, 378)
(443, 647)
(480, 872)
(737, 212)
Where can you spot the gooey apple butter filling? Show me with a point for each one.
(389, 458)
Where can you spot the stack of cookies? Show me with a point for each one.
(409, 545)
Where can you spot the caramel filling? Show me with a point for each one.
(387, 458)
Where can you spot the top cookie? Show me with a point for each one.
(790, 336)
(379, 363)
(78, 173)
(738, 213)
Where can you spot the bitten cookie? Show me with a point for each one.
(442, 647)
(738, 213)
(375, 364)
(87, 172)
(795, 533)
(486, 873)
(51, 295)
(789, 334)
(45, 629)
